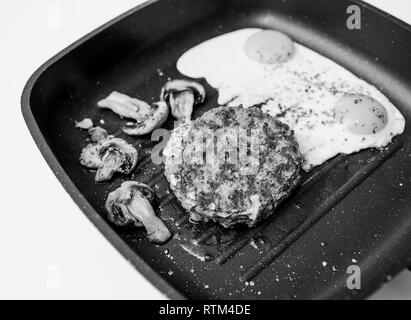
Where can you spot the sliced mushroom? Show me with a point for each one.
(131, 205)
(146, 117)
(182, 96)
(116, 156)
(90, 156)
(98, 134)
(159, 114)
(126, 106)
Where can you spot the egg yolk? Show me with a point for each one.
(361, 114)
(269, 47)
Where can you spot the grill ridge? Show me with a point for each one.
(356, 179)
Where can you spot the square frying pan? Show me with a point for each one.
(353, 210)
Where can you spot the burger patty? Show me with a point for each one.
(211, 186)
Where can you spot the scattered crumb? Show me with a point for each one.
(102, 121)
(192, 270)
(84, 124)
(259, 293)
(401, 184)
(252, 283)
(324, 264)
(354, 261)
(206, 286)
(170, 273)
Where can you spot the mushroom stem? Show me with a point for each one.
(141, 209)
(182, 104)
(182, 96)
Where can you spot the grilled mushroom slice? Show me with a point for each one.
(125, 106)
(146, 117)
(131, 205)
(98, 134)
(90, 156)
(116, 156)
(158, 115)
(182, 96)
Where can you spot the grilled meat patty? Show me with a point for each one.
(232, 165)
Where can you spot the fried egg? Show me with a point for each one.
(330, 109)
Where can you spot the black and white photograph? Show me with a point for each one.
(206, 155)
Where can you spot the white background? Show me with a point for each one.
(48, 248)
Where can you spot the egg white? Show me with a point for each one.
(300, 92)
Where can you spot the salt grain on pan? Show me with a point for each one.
(324, 264)
(192, 270)
(170, 273)
(252, 283)
(206, 286)
(354, 261)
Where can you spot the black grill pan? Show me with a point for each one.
(353, 210)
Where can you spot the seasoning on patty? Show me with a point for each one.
(233, 165)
